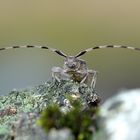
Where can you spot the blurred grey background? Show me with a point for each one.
(70, 26)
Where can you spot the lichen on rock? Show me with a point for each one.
(36, 99)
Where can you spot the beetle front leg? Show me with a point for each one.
(90, 78)
(84, 79)
(56, 74)
(59, 74)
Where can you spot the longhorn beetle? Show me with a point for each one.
(74, 68)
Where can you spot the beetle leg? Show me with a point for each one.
(90, 78)
(56, 73)
(84, 79)
(59, 74)
(94, 78)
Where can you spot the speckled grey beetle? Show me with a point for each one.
(74, 68)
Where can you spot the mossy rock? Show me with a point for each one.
(36, 99)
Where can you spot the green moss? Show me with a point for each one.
(79, 121)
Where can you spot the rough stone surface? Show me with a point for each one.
(63, 134)
(33, 100)
(120, 117)
(26, 129)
